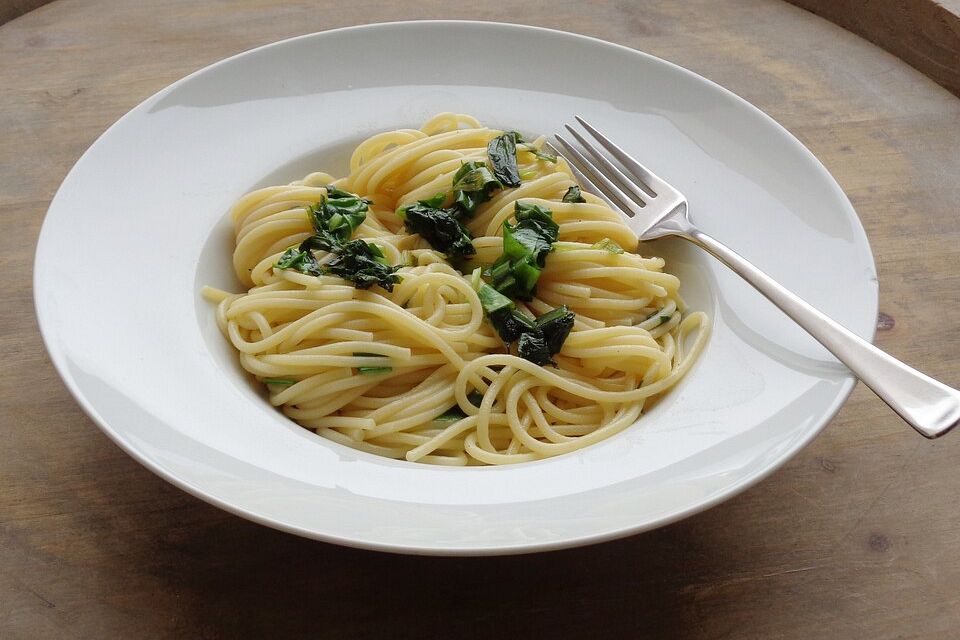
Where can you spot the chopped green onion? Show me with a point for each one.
(525, 249)
(475, 280)
(492, 300)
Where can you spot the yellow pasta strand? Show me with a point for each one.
(381, 371)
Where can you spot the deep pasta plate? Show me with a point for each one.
(136, 235)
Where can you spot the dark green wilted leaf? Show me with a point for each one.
(502, 152)
(473, 176)
(556, 326)
(363, 264)
(533, 347)
(534, 213)
(511, 324)
(455, 413)
(538, 340)
(573, 195)
(473, 184)
(439, 227)
(335, 217)
(301, 260)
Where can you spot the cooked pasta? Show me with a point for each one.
(410, 363)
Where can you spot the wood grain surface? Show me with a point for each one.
(925, 33)
(10, 9)
(854, 538)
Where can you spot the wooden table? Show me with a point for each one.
(855, 538)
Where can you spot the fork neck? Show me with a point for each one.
(674, 223)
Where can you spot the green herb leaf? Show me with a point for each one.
(510, 324)
(492, 300)
(455, 413)
(370, 371)
(474, 184)
(542, 216)
(363, 264)
(475, 280)
(538, 340)
(541, 155)
(607, 245)
(502, 152)
(515, 274)
(499, 269)
(556, 326)
(541, 340)
(533, 347)
(473, 176)
(525, 249)
(301, 260)
(526, 241)
(525, 276)
(335, 217)
(573, 195)
(439, 227)
(280, 382)
(436, 200)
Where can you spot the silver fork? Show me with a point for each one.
(654, 209)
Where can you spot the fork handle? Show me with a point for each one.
(929, 406)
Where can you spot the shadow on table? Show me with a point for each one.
(237, 579)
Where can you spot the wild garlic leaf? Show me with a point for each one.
(439, 227)
(573, 194)
(299, 259)
(363, 264)
(502, 152)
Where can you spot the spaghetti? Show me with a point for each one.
(408, 365)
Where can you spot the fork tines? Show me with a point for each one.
(629, 194)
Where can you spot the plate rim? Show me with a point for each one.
(49, 334)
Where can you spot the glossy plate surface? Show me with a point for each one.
(139, 225)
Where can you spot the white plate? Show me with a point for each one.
(139, 225)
